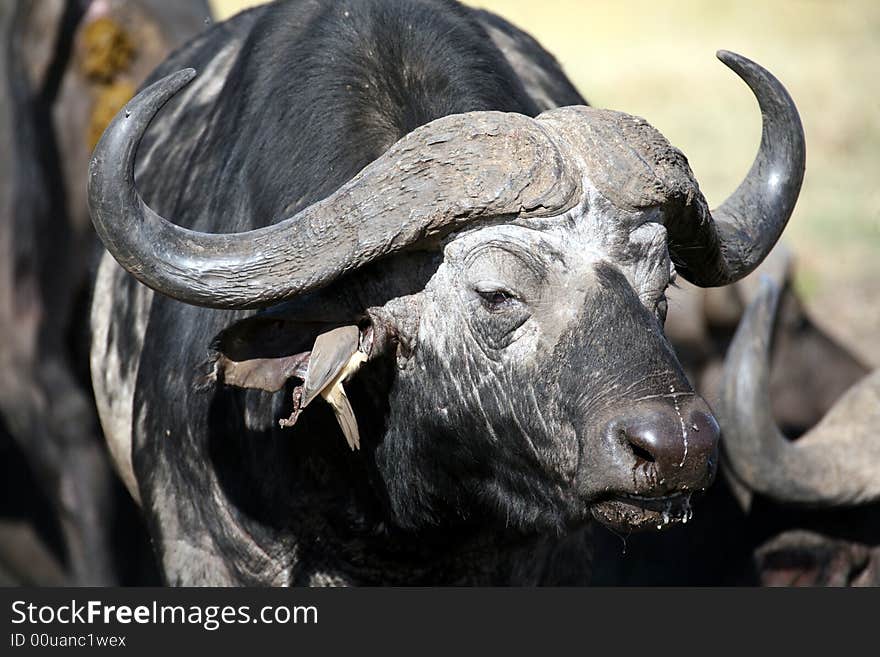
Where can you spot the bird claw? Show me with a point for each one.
(284, 423)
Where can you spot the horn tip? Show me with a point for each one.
(187, 74)
(731, 59)
(174, 82)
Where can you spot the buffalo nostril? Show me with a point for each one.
(639, 448)
(649, 438)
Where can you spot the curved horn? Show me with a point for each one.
(837, 462)
(724, 246)
(444, 175)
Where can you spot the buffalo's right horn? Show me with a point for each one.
(443, 175)
(835, 463)
(722, 246)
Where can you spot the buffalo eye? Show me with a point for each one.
(495, 298)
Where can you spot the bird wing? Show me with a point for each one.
(338, 401)
(330, 354)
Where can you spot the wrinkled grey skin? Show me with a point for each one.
(539, 374)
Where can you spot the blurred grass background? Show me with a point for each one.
(656, 60)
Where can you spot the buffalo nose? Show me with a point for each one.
(679, 444)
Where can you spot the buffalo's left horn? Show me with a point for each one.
(723, 246)
(444, 175)
(835, 463)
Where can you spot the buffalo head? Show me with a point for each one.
(533, 382)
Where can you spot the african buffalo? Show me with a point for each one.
(65, 67)
(367, 197)
(817, 498)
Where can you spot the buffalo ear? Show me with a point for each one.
(264, 352)
(269, 374)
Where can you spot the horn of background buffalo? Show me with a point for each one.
(723, 248)
(836, 463)
(443, 175)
